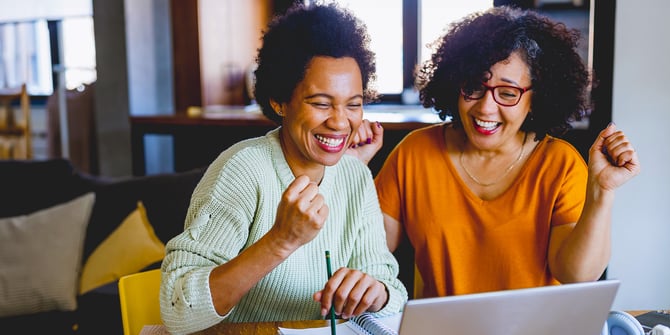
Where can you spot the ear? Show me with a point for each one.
(277, 107)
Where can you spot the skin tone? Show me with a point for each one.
(318, 123)
(491, 138)
(367, 141)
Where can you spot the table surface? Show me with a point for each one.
(244, 328)
(266, 328)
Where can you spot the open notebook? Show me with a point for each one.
(576, 309)
(364, 324)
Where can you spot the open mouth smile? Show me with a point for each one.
(332, 144)
(486, 127)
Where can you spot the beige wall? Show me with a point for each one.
(641, 107)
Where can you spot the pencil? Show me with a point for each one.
(332, 307)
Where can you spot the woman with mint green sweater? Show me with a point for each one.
(268, 208)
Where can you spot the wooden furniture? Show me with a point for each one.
(198, 140)
(15, 135)
(259, 328)
(214, 44)
(267, 328)
(244, 328)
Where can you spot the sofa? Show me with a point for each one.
(66, 237)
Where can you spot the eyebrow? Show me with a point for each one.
(323, 95)
(510, 81)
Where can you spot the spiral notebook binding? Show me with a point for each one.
(372, 325)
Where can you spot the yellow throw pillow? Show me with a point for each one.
(131, 247)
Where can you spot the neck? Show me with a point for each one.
(298, 166)
(509, 168)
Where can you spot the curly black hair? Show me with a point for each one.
(470, 47)
(291, 41)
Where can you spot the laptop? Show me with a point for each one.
(575, 309)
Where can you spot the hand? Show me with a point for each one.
(612, 159)
(366, 141)
(301, 214)
(351, 292)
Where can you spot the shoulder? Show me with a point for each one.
(561, 148)
(428, 133)
(558, 154)
(420, 143)
(232, 166)
(422, 139)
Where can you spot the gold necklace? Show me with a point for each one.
(509, 168)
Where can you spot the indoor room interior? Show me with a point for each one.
(128, 89)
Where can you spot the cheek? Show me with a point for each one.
(355, 122)
(464, 105)
(463, 108)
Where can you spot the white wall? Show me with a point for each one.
(39, 9)
(641, 107)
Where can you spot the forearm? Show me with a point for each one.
(229, 282)
(585, 252)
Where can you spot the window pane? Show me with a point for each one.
(78, 51)
(384, 21)
(25, 56)
(436, 15)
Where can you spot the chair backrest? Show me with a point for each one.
(15, 130)
(139, 296)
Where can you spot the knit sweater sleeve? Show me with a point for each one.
(216, 229)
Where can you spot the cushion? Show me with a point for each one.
(40, 258)
(131, 247)
(38, 184)
(165, 196)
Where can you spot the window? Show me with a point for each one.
(78, 51)
(435, 15)
(401, 31)
(29, 52)
(25, 56)
(422, 23)
(384, 22)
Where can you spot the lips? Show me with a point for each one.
(486, 127)
(331, 144)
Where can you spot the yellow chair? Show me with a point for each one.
(139, 295)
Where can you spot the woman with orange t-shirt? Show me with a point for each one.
(492, 200)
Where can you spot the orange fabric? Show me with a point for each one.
(467, 245)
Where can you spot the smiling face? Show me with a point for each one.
(325, 109)
(488, 125)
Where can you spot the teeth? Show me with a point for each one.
(486, 124)
(331, 142)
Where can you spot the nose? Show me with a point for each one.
(338, 118)
(488, 102)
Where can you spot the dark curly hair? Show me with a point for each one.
(470, 47)
(303, 32)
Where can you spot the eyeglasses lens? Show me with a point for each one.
(503, 95)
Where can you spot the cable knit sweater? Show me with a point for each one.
(235, 204)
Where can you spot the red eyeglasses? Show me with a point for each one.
(503, 95)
